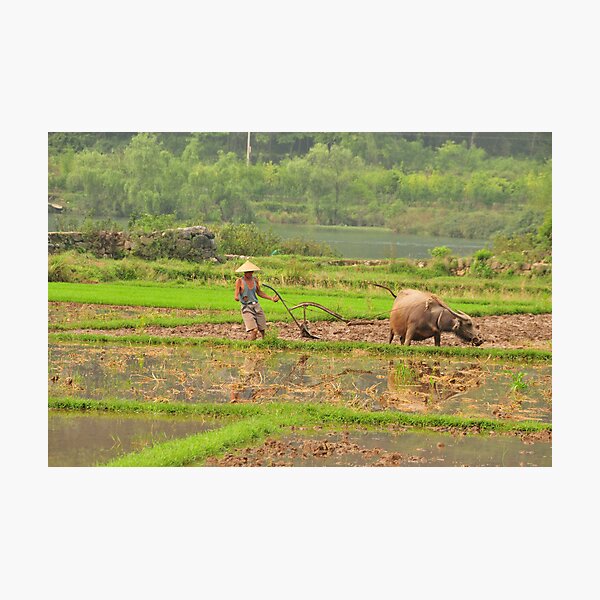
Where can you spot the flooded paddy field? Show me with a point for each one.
(408, 448)
(464, 387)
(89, 439)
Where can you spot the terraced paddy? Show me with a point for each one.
(473, 412)
(177, 385)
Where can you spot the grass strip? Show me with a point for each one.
(294, 411)
(264, 420)
(168, 408)
(382, 349)
(325, 413)
(352, 304)
(199, 447)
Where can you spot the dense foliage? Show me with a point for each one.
(463, 185)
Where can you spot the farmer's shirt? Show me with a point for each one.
(248, 295)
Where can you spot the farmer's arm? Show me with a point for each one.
(238, 286)
(260, 293)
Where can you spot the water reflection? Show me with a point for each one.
(430, 449)
(76, 440)
(467, 388)
(376, 242)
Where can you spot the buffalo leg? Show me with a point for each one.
(437, 337)
(391, 336)
(409, 335)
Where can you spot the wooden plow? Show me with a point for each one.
(304, 332)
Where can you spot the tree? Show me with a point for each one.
(145, 164)
(333, 171)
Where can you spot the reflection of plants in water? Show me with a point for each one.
(116, 441)
(139, 442)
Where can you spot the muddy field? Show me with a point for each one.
(499, 331)
(356, 448)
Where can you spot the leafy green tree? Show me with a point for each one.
(95, 182)
(486, 189)
(458, 157)
(145, 164)
(334, 169)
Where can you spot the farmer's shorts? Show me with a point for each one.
(254, 317)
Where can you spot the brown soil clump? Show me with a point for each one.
(278, 453)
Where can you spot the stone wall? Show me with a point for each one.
(186, 243)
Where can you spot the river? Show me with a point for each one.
(352, 242)
(377, 242)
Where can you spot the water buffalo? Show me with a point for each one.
(420, 315)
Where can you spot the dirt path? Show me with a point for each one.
(500, 331)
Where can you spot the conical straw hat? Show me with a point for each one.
(247, 266)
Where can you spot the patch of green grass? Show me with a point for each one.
(371, 304)
(194, 448)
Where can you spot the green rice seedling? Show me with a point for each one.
(518, 385)
(404, 375)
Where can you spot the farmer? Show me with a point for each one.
(247, 288)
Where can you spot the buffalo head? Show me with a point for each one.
(463, 327)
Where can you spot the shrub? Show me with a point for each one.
(59, 268)
(482, 255)
(305, 248)
(143, 222)
(440, 251)
(403, 265)
(480, 266)
(246, 239)
(91, 227)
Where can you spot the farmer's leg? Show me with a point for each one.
(261, 320)
(250, 322)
